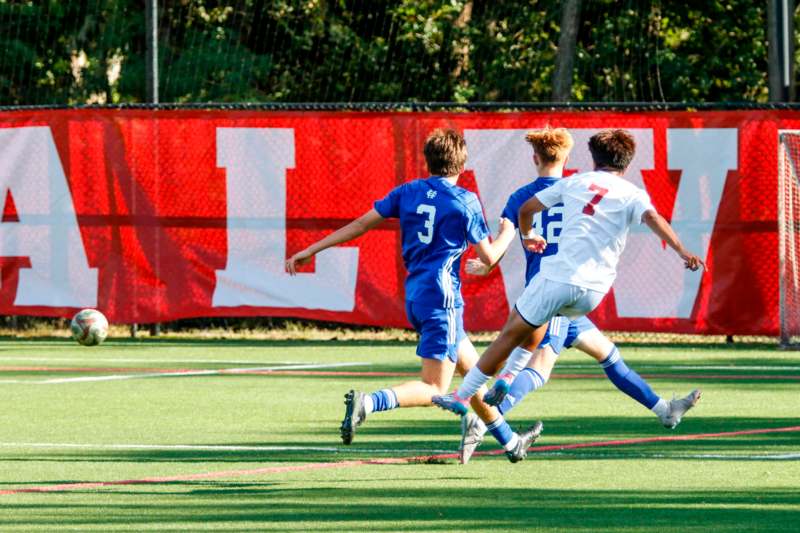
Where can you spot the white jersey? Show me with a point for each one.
(599, 208)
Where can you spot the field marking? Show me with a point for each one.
(305, 369)
(63, 487)
(194, 373)
(790, 368)
(736, 368)
(657, 455)
(212, 447)
(146, 360)
(346, 449)
(688, 377)
(310, 370)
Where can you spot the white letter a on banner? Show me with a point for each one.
(47, 231)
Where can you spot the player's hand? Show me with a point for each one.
(692, 262)
(476, 267)
(300, 258)
(534, 243)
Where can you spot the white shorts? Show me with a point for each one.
(544, 298)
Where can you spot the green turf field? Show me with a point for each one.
(253, 450)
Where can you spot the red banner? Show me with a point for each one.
(159, 215)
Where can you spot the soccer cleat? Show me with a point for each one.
(678, 408)
(354, 415)
(527, 438)
(472, 431)
(497, 393)
(451, 402)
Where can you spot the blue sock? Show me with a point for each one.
(501, 431)
(627, 380)
(526, 382)
(383, 400)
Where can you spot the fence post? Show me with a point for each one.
(780, 53)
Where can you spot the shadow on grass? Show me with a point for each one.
(416, 506)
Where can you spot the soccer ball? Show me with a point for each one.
(89, 327)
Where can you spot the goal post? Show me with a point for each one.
(789, 237)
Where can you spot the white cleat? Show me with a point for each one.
(678, 408)
(472, 431)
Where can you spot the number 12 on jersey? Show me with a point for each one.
(550, 228)
(430, 212)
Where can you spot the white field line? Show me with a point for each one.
(89, 360)
(791, 456)
(213, 448)
(142, 360)
(145, 360)
(190, 373)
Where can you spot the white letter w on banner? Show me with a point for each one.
(651, 281)
(255, 160)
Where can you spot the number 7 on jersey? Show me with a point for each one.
(588, 209)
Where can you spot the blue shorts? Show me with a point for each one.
(563, 332)
(440, 330)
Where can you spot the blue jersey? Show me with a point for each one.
(437, 221)
(547, 223)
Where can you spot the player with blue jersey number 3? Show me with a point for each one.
(438, 220)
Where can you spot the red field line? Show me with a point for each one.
(344, 373)
(399, 460)
(357, 373)
(689, 376)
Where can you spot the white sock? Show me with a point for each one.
(368, 403)
(516, 362)
(473, 381)
(661, 408)
(510, 445)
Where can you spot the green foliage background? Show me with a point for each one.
(381, 50)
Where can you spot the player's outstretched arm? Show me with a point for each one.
(531, 241)
(354, 229)
(664, 231)
(489, 254)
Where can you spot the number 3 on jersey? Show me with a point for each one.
(588, 209)
(430, 212)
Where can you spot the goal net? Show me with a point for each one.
(789, 237)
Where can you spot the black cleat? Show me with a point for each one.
(354, 415)
(527, 438)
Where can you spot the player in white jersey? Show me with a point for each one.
(599, 208)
